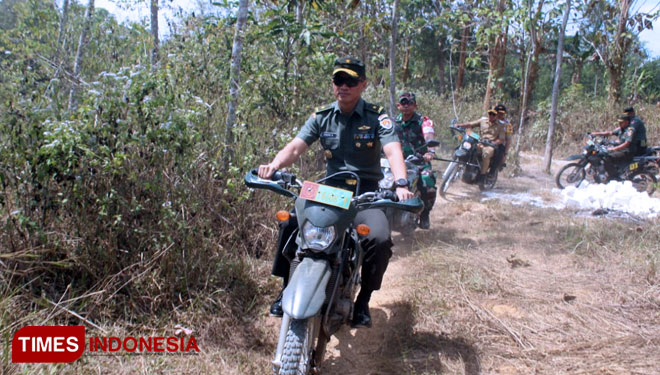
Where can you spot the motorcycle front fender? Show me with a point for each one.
(305, 294)
(575, 157)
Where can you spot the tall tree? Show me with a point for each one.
(154, 34)
(77, 67)
(614, 29)
(395, 22)
(235, 71)
(555, 90)
(496, 52)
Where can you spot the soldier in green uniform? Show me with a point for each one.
(640, 129)
(414, 130)
(630, 141)
(490, 130)
(352, 133)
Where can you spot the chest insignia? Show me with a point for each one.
(358, 144)
(328, 154)
(370, 144)
(328, 135)
(364, 127)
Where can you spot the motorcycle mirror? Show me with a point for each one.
(453, 122)
(432, 143)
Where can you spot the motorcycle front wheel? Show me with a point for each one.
(489, 181)
(448, 177)
(644, 181)
(299, 347)
(570, 174)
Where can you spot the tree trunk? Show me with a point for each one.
(532, 70)
(618, 51)
(555, 90)
(60, 34)
(461, 60)
(495, 56)
(406, 66)
(395, 22)
(235, 72)
(154, 34)
(577, 72)
(77, 66)
(441, 65)
(502, 60)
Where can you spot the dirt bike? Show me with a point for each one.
(590, 166)
(405, 222)
(466, 162)
(324, 275)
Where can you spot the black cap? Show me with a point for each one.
(629, 110)
(408, 95)
(500, 108)
(623, 118)
(351, 66)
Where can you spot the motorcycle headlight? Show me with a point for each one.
(467, 145)
(387, 181)
(317, 238)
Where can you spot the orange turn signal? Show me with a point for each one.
(363, 230)
(282, 215)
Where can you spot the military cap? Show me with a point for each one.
(629, 110)
(623, 118)
(500, 108)
(351, 66)
(492, 111)
(408, 95)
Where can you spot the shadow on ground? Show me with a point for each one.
(392, 346)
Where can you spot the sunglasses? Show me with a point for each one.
(406, 102)
(341, 80)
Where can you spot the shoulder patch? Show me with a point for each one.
(386, 123)
(323, 108)
(373, 108)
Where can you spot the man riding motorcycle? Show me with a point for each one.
(629, 145)
(491, 130)
(351, 132)
(414, 131)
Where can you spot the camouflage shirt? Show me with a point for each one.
(412, 132)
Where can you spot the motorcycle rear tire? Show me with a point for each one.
(298, 348)
(573, 173)
(448, 177)
(644, 181)
(489, 181)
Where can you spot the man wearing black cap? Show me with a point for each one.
(629, 143)
(640, 129)
(490, 130)
(352, 133)
(414, 130)
(501, 117)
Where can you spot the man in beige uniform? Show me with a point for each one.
(491, 130)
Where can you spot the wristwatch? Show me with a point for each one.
(402, 182)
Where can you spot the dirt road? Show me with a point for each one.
(497, 288)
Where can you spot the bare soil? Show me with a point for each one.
(495, 288)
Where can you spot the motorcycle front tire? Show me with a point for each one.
(572, 173)
(489, 181)
(298, 348)
(448, 177)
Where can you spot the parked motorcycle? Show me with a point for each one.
(590, 166)
(466, 162)
(324, 275)
(405, 222)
